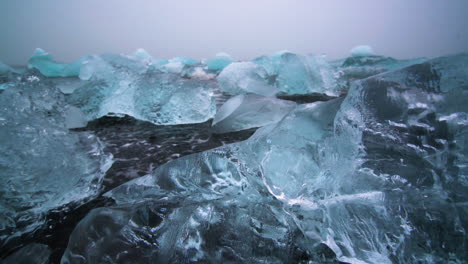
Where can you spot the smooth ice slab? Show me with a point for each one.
(247, 111)
(245, 77)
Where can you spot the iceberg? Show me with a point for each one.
(248, 111)
(362, 51)
(43, 165)
(371, 178)
(245, 77)
(44, 62)
(297, 74)
(221, 61)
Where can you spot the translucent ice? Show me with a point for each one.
(121, 85)
(245, 77)
(30, 254)
(7, 76)
(248, 111)
(178, 65)
(170, 99)
(377, 178)
(362, 51)
(43, 165)
(297, 74)
(400, 122)
(219, 62)
(214, 206)
(74, 118)
(354, 68)
(44, 62)
(4, 69)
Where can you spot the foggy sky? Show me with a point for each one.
(242, 28)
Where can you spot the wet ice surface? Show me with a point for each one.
(138, 147)
(377, 175)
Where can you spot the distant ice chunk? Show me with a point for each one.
(4, 69)
(362, 51)
(248, 111)
(221, 61)
(7, 76)
(178, 65)
(44, 62)
(142, 55)
(200, 74)
(245, 77)
(298, 74)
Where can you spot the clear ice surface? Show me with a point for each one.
(247, 111)
(377, 178)
(43, 166)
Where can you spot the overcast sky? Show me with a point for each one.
(243, 28)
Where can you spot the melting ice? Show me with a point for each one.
(375, 174)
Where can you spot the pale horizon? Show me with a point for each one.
(245, 30)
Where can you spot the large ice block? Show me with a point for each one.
(121, 85)
(43, 166)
